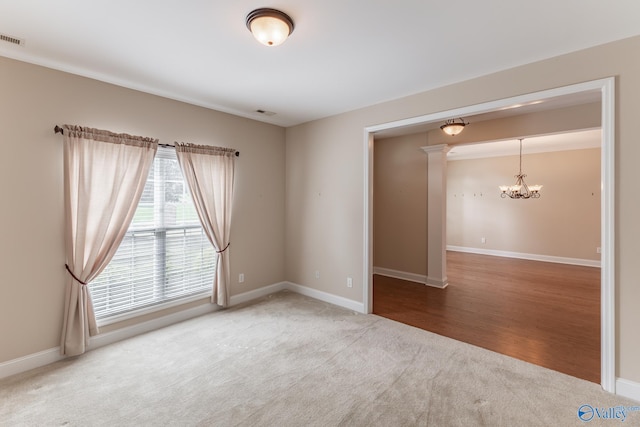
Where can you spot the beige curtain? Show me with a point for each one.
(104, 175)
(209, 175)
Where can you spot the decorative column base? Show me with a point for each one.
(437, 283)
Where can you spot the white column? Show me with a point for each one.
(437, 215)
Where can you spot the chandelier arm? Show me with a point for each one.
(526, 193)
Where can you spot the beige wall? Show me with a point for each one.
(327, 157)
(563, 222)
(400, 204)
(32, 275)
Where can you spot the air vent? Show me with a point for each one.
(266, 113)
(13, 40)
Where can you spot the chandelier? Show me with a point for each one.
(520, 190)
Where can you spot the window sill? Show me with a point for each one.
(151, 309)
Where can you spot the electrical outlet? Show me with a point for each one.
(241, 278)
(598, 250)
(349, 282)
(483, 240)
(317, 274)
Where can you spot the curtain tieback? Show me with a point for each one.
(225, 248)
(74, 276)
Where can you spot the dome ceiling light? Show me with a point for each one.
(270, 27)
(451, 127)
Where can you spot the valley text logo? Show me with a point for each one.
(620, 413)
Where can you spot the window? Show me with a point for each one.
(165, 254)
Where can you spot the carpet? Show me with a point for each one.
(289, 360)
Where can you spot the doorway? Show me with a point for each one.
(605, 89)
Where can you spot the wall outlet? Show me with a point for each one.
(598, 250)
(241, 278)
(317, 274)
(483, 240)
(349, 282)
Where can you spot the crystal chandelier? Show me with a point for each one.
(520, 190)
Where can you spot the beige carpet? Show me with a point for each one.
(288, 360)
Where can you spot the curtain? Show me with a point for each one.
(209, 173)
(104, 175)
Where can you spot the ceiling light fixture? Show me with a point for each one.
(270, 27)
(451, 127)
(520, 190)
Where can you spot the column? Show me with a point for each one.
(437, 215)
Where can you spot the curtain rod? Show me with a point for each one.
(58, 129)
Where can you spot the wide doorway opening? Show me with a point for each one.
(523, 274)
(577, 96)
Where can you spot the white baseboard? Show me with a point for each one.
(46, 357)
(326, 297)
(402, 275)
(411, 277)
(30, 361)
(532, 257)
(258, 293)
(628, 389)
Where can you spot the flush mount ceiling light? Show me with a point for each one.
(451, 127)
(270, 27)
(520, 190)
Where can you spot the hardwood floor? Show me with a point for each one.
(544, 313)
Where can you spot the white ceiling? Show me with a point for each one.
(342, 55)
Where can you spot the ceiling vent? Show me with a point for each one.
(13, 40)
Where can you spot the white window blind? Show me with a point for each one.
(165, 254)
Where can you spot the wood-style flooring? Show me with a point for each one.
(543, 313)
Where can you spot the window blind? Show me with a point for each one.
(164, 255)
